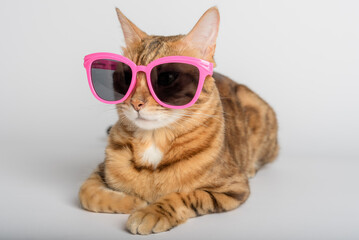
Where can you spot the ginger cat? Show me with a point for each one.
(165, 165)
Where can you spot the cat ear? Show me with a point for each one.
(131, 32)
(204, 34)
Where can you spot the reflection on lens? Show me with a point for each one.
(111, 79)
(175, 83)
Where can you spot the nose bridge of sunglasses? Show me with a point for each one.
(141, 68)
(141, 73)
(141, 78)
(141, 91)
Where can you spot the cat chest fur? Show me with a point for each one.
(152, 155)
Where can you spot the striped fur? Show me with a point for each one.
(208, 152)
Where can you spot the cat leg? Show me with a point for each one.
(175, 208)
(95, 196)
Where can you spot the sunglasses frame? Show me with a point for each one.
(205, 69)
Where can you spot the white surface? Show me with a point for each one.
(301, 56)
(293, 198)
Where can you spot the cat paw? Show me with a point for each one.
(146, 222)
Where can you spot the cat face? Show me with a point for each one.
(140, 108)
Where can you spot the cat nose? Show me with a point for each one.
(137, 104)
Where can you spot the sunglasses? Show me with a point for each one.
(174, 81)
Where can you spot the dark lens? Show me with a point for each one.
(111, 79)
(175, 83)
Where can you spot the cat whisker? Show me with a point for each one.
(196, 120)
(222, 112)
(110, 110)
(192, 114)
(203, 114)
(190, 120)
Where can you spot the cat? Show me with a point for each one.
(163, 166)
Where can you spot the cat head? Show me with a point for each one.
(140, 109)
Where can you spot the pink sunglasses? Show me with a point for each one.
(174, 81)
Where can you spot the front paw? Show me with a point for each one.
(147, 221)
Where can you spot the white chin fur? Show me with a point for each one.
(149, 120)
(149, 124)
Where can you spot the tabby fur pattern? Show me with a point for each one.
(163, 165)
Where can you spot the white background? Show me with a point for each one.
(300, 56)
